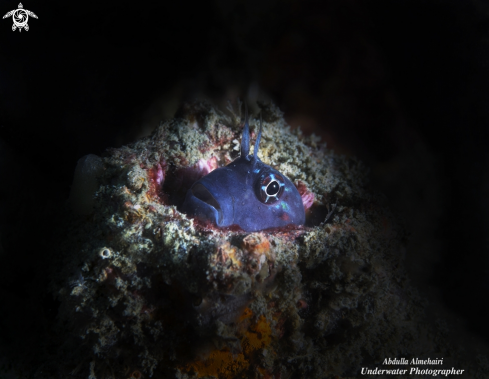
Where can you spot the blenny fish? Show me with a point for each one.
(246, 193)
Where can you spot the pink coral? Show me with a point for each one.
(159, 175)
(156, 177)
(205, 166)
(308, 200)
(306, 195)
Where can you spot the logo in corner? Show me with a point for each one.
(20, 17)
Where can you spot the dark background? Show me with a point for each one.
(403, 85)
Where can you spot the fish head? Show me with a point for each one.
(246, 193)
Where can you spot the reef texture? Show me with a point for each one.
(146, 291)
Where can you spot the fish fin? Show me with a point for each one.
(257, 142)
(245, 138)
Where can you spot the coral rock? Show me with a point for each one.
(147, 289)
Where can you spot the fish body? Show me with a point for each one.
(247, 193)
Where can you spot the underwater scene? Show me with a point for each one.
(149, 278)
(244, 189)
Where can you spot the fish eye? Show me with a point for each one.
(272, 188)
(269, 187)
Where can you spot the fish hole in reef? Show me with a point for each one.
(178, 182)
(316, 215)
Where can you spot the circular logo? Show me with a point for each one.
(20, 18)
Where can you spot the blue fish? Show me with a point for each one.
(246, 193)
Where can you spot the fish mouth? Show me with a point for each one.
(200, 192)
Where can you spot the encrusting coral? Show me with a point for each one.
(147, 291)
